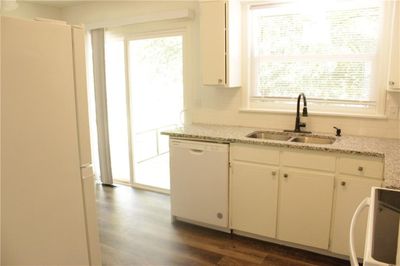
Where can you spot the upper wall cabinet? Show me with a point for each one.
(220, 43)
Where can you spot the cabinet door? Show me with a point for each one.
(212, 41)
(349, 192)
(305, 204)
(254, 193)
(233, 44)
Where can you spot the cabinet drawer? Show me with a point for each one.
(309, 160)
(254, 153)
(369, 167)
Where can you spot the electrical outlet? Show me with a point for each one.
(393, 112)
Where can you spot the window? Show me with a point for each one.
(330, 50)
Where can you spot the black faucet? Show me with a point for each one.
(298, 125)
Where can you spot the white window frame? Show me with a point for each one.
(288, 105)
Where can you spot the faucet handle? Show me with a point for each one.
(338, 131)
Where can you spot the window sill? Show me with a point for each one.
(311, 113)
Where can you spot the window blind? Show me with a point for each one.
(327, 51)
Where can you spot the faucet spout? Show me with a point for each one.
(298, 125)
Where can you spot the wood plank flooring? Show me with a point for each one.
(136, 229)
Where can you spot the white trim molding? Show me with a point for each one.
(165, 15)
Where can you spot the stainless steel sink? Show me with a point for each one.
(291, 137)
(313, 140)
(268, 135)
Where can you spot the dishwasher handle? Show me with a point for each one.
(196, 151)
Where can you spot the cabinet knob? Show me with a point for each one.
(285, 175)
(360, 168)
(220, 215)
(273, 173)
(343, 183)
(219, 81)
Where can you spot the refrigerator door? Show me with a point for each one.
(43, 220)
(88, 184)
(78, 39)
(78, 44)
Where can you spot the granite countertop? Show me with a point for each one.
(389, 149)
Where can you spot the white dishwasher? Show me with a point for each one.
(199, 181)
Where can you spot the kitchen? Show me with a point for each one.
(222, 108)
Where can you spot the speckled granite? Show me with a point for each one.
(389, 149)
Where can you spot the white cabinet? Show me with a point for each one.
(319, 161)
(254, 154)
(300, 196)
(361, 166)
(305, 204)
(349, 192)
(220, 43)
(289, 207)
(254, 194)
(303, 197)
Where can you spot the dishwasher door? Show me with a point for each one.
(199, 181)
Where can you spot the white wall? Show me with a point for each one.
(30, 11)
(220, 105)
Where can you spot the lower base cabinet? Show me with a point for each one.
(305, 205)
(254, 195)
(350, 191)
(301, 197)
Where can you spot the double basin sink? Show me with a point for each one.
(291, 137)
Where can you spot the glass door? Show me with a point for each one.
(156, 104)
(144, 94)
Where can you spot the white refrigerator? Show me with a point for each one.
(48, 212)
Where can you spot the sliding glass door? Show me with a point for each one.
(144, 76)
(156, 86)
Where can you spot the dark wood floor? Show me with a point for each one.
(136, 229)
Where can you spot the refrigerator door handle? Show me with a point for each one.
(87, 171)
(86, 165)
